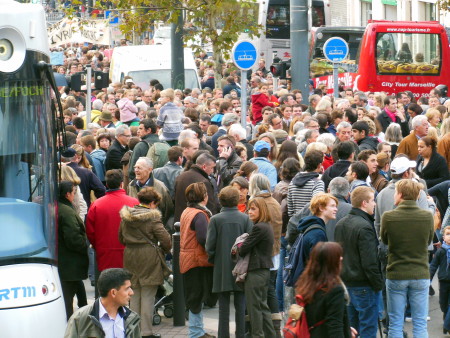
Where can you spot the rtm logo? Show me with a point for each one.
(17, 292)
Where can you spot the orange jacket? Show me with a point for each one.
(192, 254)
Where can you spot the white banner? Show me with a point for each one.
(79, 30)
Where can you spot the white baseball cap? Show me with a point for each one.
(400, 164)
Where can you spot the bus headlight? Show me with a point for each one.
(12, 49)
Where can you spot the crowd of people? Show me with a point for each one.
(362, 179)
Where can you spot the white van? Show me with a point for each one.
(145, 63)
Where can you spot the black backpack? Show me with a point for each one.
(296, 261)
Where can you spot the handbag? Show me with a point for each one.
(297, 325)
(162, 258)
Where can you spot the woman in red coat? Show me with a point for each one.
(260, 100)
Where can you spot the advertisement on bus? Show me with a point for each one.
(403, 55)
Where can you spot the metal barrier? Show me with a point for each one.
(179, 305)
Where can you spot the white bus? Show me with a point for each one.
(274, 17)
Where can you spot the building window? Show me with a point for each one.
(366, 12)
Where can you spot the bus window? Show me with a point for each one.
(402, 53)
(277, 20)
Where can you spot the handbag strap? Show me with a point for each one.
(317, 324)
(149, 240)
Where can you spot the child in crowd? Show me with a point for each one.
(441, 261)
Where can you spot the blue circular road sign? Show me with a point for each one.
(244, 54)
(335, 49)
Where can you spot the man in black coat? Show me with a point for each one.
(199, 172)
(345, 153)
(118, 148)
(228, 163)
(361, 270)
(390, 114)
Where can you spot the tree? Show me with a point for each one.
(220, 22)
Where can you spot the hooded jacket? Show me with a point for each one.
(368, 143)
(338, 169)
(140, 226)
(259, 101)
(312, 237)
(128, 111)
(301, 189)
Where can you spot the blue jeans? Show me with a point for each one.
(417, 291)
(279, 286)
(363, 310)
(196, 325)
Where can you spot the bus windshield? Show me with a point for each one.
(26, 177)
(277, 25)
(401, 53)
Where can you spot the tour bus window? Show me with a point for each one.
(401, 53)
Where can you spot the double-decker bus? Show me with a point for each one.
(321, 69)
(274, 17)
(396, 56)
(31, 302)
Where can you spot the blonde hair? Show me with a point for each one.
(80, 152)
(319, 146)
(320, 201)
(169, 93)
(68, 174)
(409, 189)
(361, 194)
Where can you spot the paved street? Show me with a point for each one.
(211, 317)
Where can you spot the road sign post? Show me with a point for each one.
(244, 57)
(335, 50)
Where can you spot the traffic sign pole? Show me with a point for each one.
(244, 57)
(335, 50)
(244, 98)
(336, 80)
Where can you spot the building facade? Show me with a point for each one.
(359, 12)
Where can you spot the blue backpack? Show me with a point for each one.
(296, 261)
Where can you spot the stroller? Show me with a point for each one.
(163, 299)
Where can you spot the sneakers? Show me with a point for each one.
(409, 319)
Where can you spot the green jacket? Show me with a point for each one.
(86, 323)
(73, 258)
(141, 150)
(407, 231)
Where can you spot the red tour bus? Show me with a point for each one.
(395, 56)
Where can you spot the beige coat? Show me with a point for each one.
(139, 226)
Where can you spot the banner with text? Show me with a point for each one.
(79, 30)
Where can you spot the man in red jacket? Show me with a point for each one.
(103, 221)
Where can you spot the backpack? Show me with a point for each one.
(297, 325)
(295, 264)
(158, 153)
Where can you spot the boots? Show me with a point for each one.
(276, 320)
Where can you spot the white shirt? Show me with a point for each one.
(114, 328)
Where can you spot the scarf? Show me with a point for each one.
(390, 114)
(200, 207)
(447, 247)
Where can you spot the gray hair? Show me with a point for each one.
(185, 134)
(339, 186)
(196, 91)
(258, 182)
(237, 129)
(327, 139)
(342, 102)
(148, 162)
(362, 96)
(298, 126)
(205, 159)
(393, 133)
(418, 120)
(312, 119)
(229, 119)
(343, 125)
(309, 133)
(120, 130)
(97, 104)
(142, 106)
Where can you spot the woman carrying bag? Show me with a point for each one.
(140, 231)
